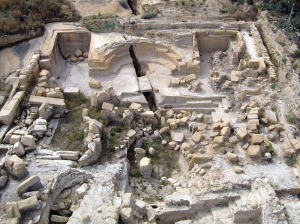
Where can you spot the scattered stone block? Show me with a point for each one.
(242, 133)
(12, 210)
(45, 73)
(31, 182)
(95, 84)
(14, 139)
(232, 157)
(178, 137)
(107, 106)
(28, 140)
(78, 53)
(59, 219)
(28, 204)
(16, 166)
(257, 139)
(146, 167)
(196, 137)
(254, 151)
(271, 116)
(19, 149)
(71, 92)
(226, 131)
(219, 139)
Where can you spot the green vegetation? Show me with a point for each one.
(135, 173)
(180, 2)
(293, 119)
(101, 23)
(296, 54)
(291, 161)
(274, 85)
(77, 136)
(149, 15)
(20, 16)
(280, 10)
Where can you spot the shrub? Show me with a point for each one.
(149, 15)
(296, 54)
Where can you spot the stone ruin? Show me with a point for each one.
(198, 93)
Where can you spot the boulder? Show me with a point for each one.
(31, 183)
(95, 84)
(14, 139)
(16, 166)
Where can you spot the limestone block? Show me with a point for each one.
(74, 59)
(170, 113)
(190, 78)
(71, 92)
(135, 106)
(95, 126)
(257, 139)
(232, 157)
(107, 106)
(55, 94)
(127, 200)
(146, 167)
(131, 133)
(28, 140)
(173, 125)
(3, 181)
(242, 133)
(144, 84)
(28, 204)
(23, 80)
(196, 137)
(78, 53)
(14, 139)
(178, 137)
(226, 131)
(45, 73)
(16, 166)
(219, 139)
(185, 147)
(29, 184)
(95, 84)
(19, 149)
(46, 111)
(59, 219)
(12, 210)
(254, 151)
(68, 155)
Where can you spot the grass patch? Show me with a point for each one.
(135, 173)
(77, 101)
(77, 136)
(274, 85)
(293, 119)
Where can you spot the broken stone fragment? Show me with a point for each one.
(190, 78)
(45, 73)
(14, 139)
(271, 116)
(3, 181)
(219, 139)
(16, 166)
(225, 131)
(170, 113)
(31, 183)
(135, 106)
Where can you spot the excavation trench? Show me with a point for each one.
(133, 5)
(139, 72)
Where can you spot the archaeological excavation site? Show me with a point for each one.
(150, 111)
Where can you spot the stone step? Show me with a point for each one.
(180, 99)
